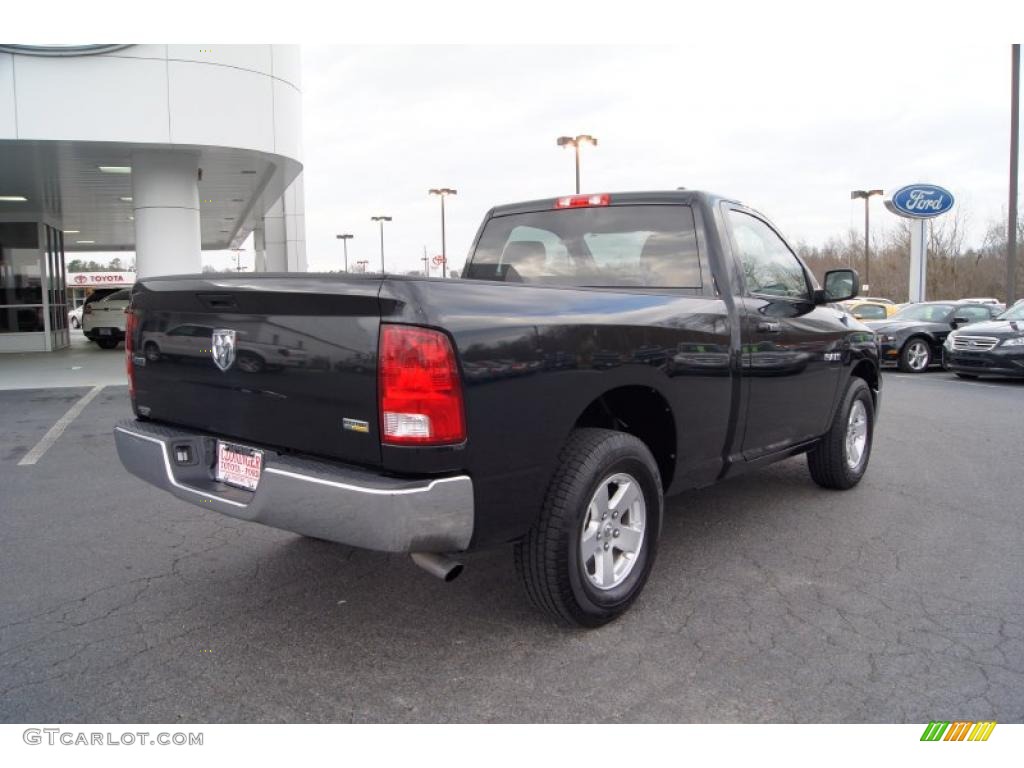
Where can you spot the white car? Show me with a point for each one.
(75, 317)
(104, 321)
(191, 340)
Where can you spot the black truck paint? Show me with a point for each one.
(714, 379)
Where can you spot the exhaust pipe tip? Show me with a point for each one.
(439, 566)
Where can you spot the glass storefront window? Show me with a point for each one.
(33, 298)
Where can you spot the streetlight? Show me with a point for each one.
(344, 241)
(381, 219)
(866, 194)
(443, 192)
(569, 141)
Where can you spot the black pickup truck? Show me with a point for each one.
(600, 353)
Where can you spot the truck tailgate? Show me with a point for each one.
(302, 372)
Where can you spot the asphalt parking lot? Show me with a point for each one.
(772, 600)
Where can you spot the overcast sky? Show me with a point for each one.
(789, 128)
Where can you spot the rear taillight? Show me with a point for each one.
(582, 201)
(420, 393)
(131, 323)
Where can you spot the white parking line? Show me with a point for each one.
(57, 429)
(918, 377)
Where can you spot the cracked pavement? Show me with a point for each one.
(772, 600)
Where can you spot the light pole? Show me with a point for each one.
(1011, 239)
(569, 141)
(443, 192)
(381, 219)
(866, 194)
(344, 241)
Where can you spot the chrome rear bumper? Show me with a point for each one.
(336, 502)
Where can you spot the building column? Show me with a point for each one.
(295, 225)
(259, 247)
(284, 232)
(274, 239)
(165, 199)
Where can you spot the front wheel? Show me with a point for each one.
(916, 356)
(590, 551)
(840, 460)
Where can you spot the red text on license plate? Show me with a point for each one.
(239, 466)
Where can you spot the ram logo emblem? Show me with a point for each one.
(223, 348)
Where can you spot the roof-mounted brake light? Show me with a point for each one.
(582, 201)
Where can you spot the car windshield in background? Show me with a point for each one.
(928, 313)
(653, 246)
(118, 296)
(1015, 312)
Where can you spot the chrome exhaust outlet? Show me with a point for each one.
(440, 566)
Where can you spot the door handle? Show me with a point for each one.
(769, 327)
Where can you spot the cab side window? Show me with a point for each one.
(769, 267)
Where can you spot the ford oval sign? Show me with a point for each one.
(920, 201)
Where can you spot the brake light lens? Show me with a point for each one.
(582, 201)
(420, 393)
(131, 323)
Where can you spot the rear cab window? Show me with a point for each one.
(623, 246)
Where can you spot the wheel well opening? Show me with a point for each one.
(869, 373)
(643, 413)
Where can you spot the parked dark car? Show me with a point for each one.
(912, 338)
(993, 348)
(604, 351)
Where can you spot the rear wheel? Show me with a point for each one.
(916, 356)
(107, 343)
(152, 352)
(841, 458)
(588, 555)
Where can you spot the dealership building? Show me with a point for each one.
(164, 150)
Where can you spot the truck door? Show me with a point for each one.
(792, 348)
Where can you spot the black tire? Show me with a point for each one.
(548, 558)
(827, 461)
(966, 375)
(107, 343)
(151, 351)
(909, 361)
(76, 323)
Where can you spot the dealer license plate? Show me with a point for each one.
(104, 331)
(238, 465)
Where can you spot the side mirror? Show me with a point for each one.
(958, 321)
(840, 285)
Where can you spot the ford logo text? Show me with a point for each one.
(921, 201)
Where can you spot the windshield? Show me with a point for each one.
(627, 245)
(118, 296)
(929, 313)
(1013, 313)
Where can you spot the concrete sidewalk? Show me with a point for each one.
(83, 364)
